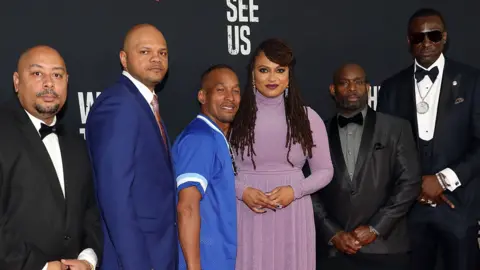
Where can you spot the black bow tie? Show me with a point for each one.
(46, 130)
(421, 73)
(357, 119)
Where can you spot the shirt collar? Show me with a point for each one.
(209, 121)
(146, 93)
(212, 125)
(363, 111)
(440, 63)
(38, 123)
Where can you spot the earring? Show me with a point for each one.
(253, 87)
(286, 92)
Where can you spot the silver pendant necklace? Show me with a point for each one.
(422, 106)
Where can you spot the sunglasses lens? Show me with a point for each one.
(434, 36)
(417, 38)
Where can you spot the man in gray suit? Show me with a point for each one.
(361, 214)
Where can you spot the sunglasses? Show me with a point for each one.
(433, 36)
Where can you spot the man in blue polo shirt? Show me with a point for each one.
(205, 175)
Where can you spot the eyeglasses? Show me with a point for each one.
(433, 36)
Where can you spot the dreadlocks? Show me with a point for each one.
(298, 126)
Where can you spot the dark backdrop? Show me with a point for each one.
(323, 34)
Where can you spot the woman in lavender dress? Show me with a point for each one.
(273, 136)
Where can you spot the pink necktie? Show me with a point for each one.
(156, 111)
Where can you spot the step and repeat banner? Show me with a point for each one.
(323, 34)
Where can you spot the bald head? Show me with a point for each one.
(348, 68)
(140, 32)
(350, 88)
(145, 55)
(37, 51)
(41, 82)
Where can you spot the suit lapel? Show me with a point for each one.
(71, 188)
(40, 157)
(337, 153)
(366, 147)
(147, 110)
(409, 103)
(445, 101)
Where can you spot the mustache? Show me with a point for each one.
(48, 92)
(352, 94)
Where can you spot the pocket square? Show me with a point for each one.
(459, 100)
(378, 146)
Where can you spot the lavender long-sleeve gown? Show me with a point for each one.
(285, 239)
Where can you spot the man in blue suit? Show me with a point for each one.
(129, 150)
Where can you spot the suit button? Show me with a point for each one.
(66, 237)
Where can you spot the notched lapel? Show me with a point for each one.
(338, 159)
(366, 146)
(148, 111)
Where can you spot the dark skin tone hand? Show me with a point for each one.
(282, 195)
(257, 201)
(346, 243)
(433, 191)
(364, 235)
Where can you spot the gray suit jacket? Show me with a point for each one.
(385, 184)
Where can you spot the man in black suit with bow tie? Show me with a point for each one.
(361, 214)
(441, 100)
(48, 215)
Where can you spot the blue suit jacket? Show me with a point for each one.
(134, 181)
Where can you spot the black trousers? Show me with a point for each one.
(365, 262)
(432, 245)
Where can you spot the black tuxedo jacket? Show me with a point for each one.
(37, 224)
(457, 132)
(385, 184)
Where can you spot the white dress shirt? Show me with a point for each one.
(53, 148)
(146, 93)
(430, 92)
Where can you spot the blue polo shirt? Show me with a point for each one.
(202, 159)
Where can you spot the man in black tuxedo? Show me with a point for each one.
(361, 214)
(441, 100)
(48, 215)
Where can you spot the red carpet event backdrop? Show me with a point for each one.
(323, 34)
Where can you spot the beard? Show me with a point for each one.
(345, 104)
(52, 109)
(47, 109)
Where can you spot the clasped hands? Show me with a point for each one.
(259, 201)
(432, 192)
(69, 264)
(351, 242)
